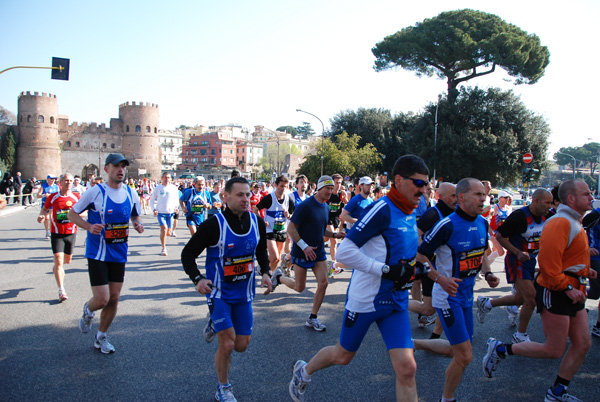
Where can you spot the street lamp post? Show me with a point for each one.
(435, 138)
(322, 136)
(574, 161)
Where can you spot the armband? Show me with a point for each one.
(302, 244)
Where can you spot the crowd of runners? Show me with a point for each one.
(415, 246)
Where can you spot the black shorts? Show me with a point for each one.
(176, 215)
(335, 222)
(556, 302)
(102, 272)
(427, 285)
(278, 237)
(63, 243)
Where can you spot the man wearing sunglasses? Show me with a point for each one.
(459, 243)
(380, 248)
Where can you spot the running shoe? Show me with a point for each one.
(225, 394)
(274, 278)
(315, 324)
(518, 338)
(482, 310)
(512, 314)
(85, 322)
(209, 330)
(298, 385)
(564, 397)
(596, 331)
(104, 345)
(426, 320)
(492, 359)
(164, 251)
(62, 296)
(284, 264)
(330, 269)
(173, 234)
(47, 234)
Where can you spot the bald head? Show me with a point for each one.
(447, 194)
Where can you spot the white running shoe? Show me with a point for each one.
(164, 251)
(173, 234)
(564, 397)
(492, 359)
(315, 324)
(225, 394)
(209, 330)
(518, 338)
(297, 386)
(482, 310)
(278, 273)
(85, 322)
(62, 296)
(512, 314)
(104, 345)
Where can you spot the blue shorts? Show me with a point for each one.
(394, 326)
(226, 315)
(514, 271)
(304, 263)
(165, 220)
(457, 323)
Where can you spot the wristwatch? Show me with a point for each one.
(385, 269)
(569, 287)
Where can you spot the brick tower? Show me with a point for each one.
(140, 138)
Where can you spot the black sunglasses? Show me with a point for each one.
(417, 182)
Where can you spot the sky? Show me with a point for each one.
(253, 63)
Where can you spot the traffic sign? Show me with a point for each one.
(347, 178)
(527, 158)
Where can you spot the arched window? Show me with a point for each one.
(147, 129)
(104, 145)
(155, 131)
(40, 119)
(68, 143)
(77, 144)
(126, 129)
(138, 129)
(112, 146)
(52, 119)
(28, 118)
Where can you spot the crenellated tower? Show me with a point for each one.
(38, 150)
(140, 138)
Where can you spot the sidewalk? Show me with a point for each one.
(13, 208)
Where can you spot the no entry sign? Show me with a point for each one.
(527, 158)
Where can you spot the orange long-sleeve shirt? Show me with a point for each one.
(554, 256)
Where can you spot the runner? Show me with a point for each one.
(194, 203)
(47, 188)
(381, 249)
(146, 190)
(459, 242)
(355, 207)
(591, 224)
(232, 241)
(297, 197)
(307, 227)
(77, 187)
(560, 295)
(336, 205)
(110, 206)
(520, 236)
(278, 208)
(63, 232)
(164, 202)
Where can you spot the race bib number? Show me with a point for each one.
(61, 216)
(238, 268)
(470, 262)
(334, 207)
(279, 225)
(533, 245)
(197, 209)
(115, 233)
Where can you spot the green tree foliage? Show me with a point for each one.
(7, 117)
(484, 134)
(461, 45)
(8, 149)
(305, 130)
(586, 157)
(378, 127)
(343, 156)
(288, 129)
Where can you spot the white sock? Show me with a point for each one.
(100, 335)
(488, 304)
(304, 375)
(61, 289)
(522, 333)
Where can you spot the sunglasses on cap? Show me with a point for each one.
(417, 182)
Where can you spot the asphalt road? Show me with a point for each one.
(161, 354)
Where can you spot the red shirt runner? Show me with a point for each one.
(60, 205)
